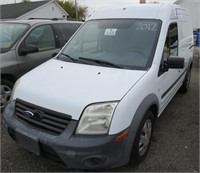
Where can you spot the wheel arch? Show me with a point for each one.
(154, 109)
(9, 77)
(191, 64)
(151, 103)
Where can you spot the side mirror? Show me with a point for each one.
(28, 49)
(175, 62)
(172, 62)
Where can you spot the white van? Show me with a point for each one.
(95, 104)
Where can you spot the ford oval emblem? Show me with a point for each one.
(28, 114)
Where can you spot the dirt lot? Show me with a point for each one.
(175, 146)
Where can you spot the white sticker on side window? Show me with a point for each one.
(110, 31)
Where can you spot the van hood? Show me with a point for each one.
(69, 87)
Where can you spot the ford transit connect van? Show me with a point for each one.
(95, 104)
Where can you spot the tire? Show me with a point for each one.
(186, 83)
(6, 89)
(143, 139)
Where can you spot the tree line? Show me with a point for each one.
(70, 8)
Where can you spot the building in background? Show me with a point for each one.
(39, 9)
(194, 7)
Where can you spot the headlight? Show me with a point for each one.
(96, 118)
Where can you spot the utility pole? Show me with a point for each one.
(76, 9)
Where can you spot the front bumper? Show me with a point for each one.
(76, 151)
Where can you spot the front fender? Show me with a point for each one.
(145, 105)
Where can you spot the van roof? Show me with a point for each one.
(144, 11)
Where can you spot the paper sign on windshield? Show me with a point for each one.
(110, 31)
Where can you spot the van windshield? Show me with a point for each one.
(9, 34)
(124, 43)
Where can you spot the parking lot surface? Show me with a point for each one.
(175, 145)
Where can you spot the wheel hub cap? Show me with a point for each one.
(5, 95)
(145, 137)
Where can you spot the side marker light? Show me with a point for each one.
(122, 136)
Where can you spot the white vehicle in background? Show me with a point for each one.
(95, 104)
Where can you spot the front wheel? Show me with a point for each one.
(6, 89)
(143, 139)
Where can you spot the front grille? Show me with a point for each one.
(42, 118)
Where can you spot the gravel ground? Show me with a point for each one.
(175, 146)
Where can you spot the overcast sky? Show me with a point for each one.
(95, 4)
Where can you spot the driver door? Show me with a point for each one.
(43, 38)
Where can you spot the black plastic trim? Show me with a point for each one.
(43, 119)
(165, 93)
(45, 109)
(80, 152)
(144, 106)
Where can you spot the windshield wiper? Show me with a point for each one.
(69, 57)
(72, 59)
(102, 62)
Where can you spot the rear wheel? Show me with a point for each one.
(186, 83)
(6, 89)
(143, 139)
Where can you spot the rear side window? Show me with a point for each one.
(65, 30)
(10, 33)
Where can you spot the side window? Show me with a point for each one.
(65, 31)
(171, 43)
(42, 37)
(171, 46)
(173, 38)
